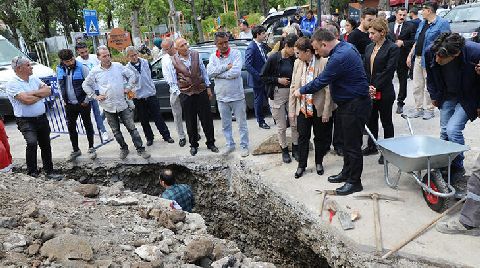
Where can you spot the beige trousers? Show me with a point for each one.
(279, 106)
(419, 90)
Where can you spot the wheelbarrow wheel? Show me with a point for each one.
(438, 184)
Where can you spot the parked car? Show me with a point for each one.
(275, 22)
(7, 52)
(204, 50)
(465, 20)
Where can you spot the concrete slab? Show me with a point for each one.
(398, 219)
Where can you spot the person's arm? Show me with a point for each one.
(410, 40)
(88, 85)
(294, 85)
(249, 62)
(85, 72)
(130, 76)
(385, 77)
(326, 77)
(268, 73)
(170, 75)
(43, 90)
(435, 93)
(204, 73)
(214, 67)
(236, 69)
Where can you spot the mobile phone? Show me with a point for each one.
(378, 95)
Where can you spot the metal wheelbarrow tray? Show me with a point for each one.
(412, 154)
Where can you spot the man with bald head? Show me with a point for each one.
(187, 76)
(27, 94)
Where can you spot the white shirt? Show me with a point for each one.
(260, 46)
(91, 62)
(245, 35)
(395, 28)
(16, 86)
(110, 82)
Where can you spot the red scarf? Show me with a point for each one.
(219, 55)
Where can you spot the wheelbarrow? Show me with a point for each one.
(413, 154)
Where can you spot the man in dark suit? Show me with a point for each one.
(403, 34)
(255, 58)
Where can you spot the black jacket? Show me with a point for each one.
(384, 66)
(407, 35)
(270, 73)
(469, 94)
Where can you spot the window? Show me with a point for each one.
(157, 70)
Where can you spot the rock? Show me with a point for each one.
(154, 264)
(126, 247)
(8, 222)
(219, 251)
(149, 253)
(139, 243)
(125, 201)
(13, 241)
(47, 234)
(87, 190)
(165, 221)
(67, 246)
(116, 189)
(36, 263)
(177, 215)
(198, 249)
(163, 246)
(104, 263)
(205, 262)
(31, 211)
(33, 249)
(271, 146)
(141, 230)
(230, 261)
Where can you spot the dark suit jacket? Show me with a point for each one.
(384, 66)
(407, 35)
(254, 62)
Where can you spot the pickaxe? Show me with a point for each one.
(375, 197)
(322, 198)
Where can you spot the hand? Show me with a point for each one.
(209, 93)
(85, 104)
(409, 61)
(297, 93)
(372, 91)
(399, 43)
(229, 66)
(101, 97)
(435, 103)
(325, 119)
(283, 81)
(477, 68)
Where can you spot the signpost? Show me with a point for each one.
(91, 25)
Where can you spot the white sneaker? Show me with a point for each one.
(244, 152)
(105, 136)
(227, 150)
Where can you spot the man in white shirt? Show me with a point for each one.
(245, 32)
(108, 77)
(90, 60)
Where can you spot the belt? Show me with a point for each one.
(32, 117)
(348, 101)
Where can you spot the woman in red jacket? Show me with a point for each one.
(5, 156)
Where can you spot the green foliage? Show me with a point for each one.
(229, 19)
(208, 25)
(254, 18)
(29, 23)
(339, 4)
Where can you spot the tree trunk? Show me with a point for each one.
(45, 20)
(137, 40)
(264, 5)
(326, 6)
(197, 21)
(173, 14)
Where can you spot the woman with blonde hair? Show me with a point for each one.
(310, 110)
(380, 63)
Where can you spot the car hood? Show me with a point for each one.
(275, 16)
(39, 70)
(464, 27)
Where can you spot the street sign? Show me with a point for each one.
(91, 22)
(119, 39)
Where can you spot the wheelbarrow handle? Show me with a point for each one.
(371, 135)
(408, 123)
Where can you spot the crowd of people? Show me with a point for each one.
(315, 78)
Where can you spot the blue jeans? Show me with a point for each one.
(98, 116)
(239, 110)
(452, 123)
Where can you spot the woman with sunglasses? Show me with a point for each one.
(380, 63)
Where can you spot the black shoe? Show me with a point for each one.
(380, 160)
(337, 178)
(319, 168)
(339, 151)
(399, 109)
(349, 188)
(295, 152)
(53, 176)
(169, 140)
(33, 174)
(264, 125)
(193, 150)
(369, 150)
(213, 148)
(199, 137)
(286, 156)
(182, 142)
(299, 172)
(149, 142)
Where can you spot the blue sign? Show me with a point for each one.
(91, 22)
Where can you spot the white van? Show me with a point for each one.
(7, 52)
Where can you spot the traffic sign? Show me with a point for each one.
(91, 22)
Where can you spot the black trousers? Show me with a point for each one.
(402, 74)
(337, 132)
(198, 105)
(36, 131)
(381, 108)
(353, 115)
(322, 137)
(72, 111)
(148, 108)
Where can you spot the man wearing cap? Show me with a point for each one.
(27, 94)
(428, 30)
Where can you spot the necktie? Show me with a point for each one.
(262, 51)
(397, 32)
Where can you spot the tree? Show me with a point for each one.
(29, 24)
